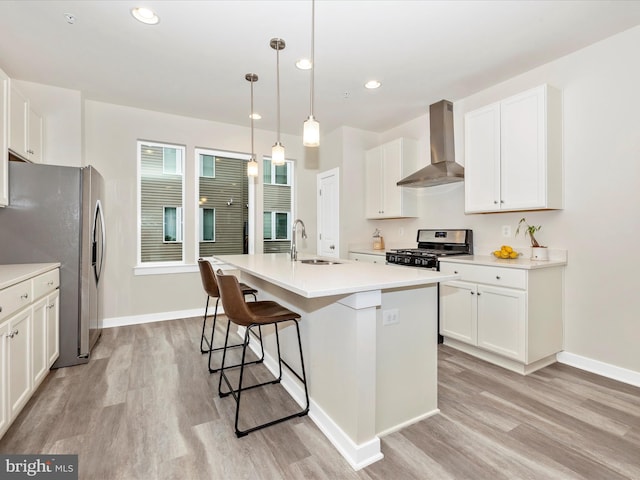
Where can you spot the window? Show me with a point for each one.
(172, 161)
(161, 202)
(223, 203)
(207, 165)
(172, 225)
(207, 225)
(276, 225)
(277, 174)
(277, 206)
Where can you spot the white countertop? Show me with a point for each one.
(347, 277)
(12, 274)
(491, 261)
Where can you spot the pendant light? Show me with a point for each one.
(252, 166)
(277, 151)
(311, 130)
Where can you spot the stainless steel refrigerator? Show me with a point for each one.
(55, 214)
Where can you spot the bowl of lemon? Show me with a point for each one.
(505, 251)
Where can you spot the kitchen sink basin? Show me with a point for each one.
(318, 261)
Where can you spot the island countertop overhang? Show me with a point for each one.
(346, 277)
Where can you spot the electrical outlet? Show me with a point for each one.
(389, 317)
(506, 231)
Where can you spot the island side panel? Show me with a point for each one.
(339, 348)
(407, 375)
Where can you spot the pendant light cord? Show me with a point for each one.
(313, 64)
(251, 115)
(278, 80)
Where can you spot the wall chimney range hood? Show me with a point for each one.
(443, 169)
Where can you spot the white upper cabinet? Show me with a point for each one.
(386, 165)
(513, 153)
(25, 128)
(4, 139)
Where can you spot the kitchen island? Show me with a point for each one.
(369, 337)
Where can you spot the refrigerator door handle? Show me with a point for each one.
(98, 257)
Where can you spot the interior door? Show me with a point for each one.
(329, 213)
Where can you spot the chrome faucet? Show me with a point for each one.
(294, 249)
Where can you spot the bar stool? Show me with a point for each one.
(211, 288)
(250, 315)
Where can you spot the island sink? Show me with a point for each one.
(319, 261)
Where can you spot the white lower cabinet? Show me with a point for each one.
(511, 317)
(19, 361)
(29, 327)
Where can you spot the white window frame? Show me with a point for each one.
(272, 174)
(199, 154)
(252, 195)
(179, 164)
(152, 268)
(201, 225)
(179, 224)
(273, 227)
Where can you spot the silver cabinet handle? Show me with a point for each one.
(332, 247)
(495, 202)
(479, 293)
(455, 271)
(0, 308)
(25, 296)
(51, 306)
(497, 277)
(472, 293)
(50, 283)
(12, 333)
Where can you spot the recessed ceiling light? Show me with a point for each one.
(304, 64)
(255, 116)
(145, 15)
(372, 84)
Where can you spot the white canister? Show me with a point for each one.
(539, 253)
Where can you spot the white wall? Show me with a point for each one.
(600, 224)
(111, 133)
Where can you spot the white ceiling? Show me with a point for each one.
(194, 61)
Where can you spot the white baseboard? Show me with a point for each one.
(152, 317)
(600, 368)
(358, 455)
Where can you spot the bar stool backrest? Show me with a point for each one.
(208, 278)
(235, 308)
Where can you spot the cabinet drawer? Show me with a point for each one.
(14, 298)
(46, 283)
(368, 258)
(505, 277)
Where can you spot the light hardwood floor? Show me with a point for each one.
(145, 408)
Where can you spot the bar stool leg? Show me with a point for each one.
(238, 393)
(204, 323)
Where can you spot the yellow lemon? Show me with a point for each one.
(497, 253)
(513, 255)
(504, 255)
(507, 248)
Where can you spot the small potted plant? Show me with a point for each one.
(538, 252)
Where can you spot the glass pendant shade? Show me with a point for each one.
(311, 132)
(252, 168)
(277, 154)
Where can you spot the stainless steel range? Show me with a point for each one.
(432, 245)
